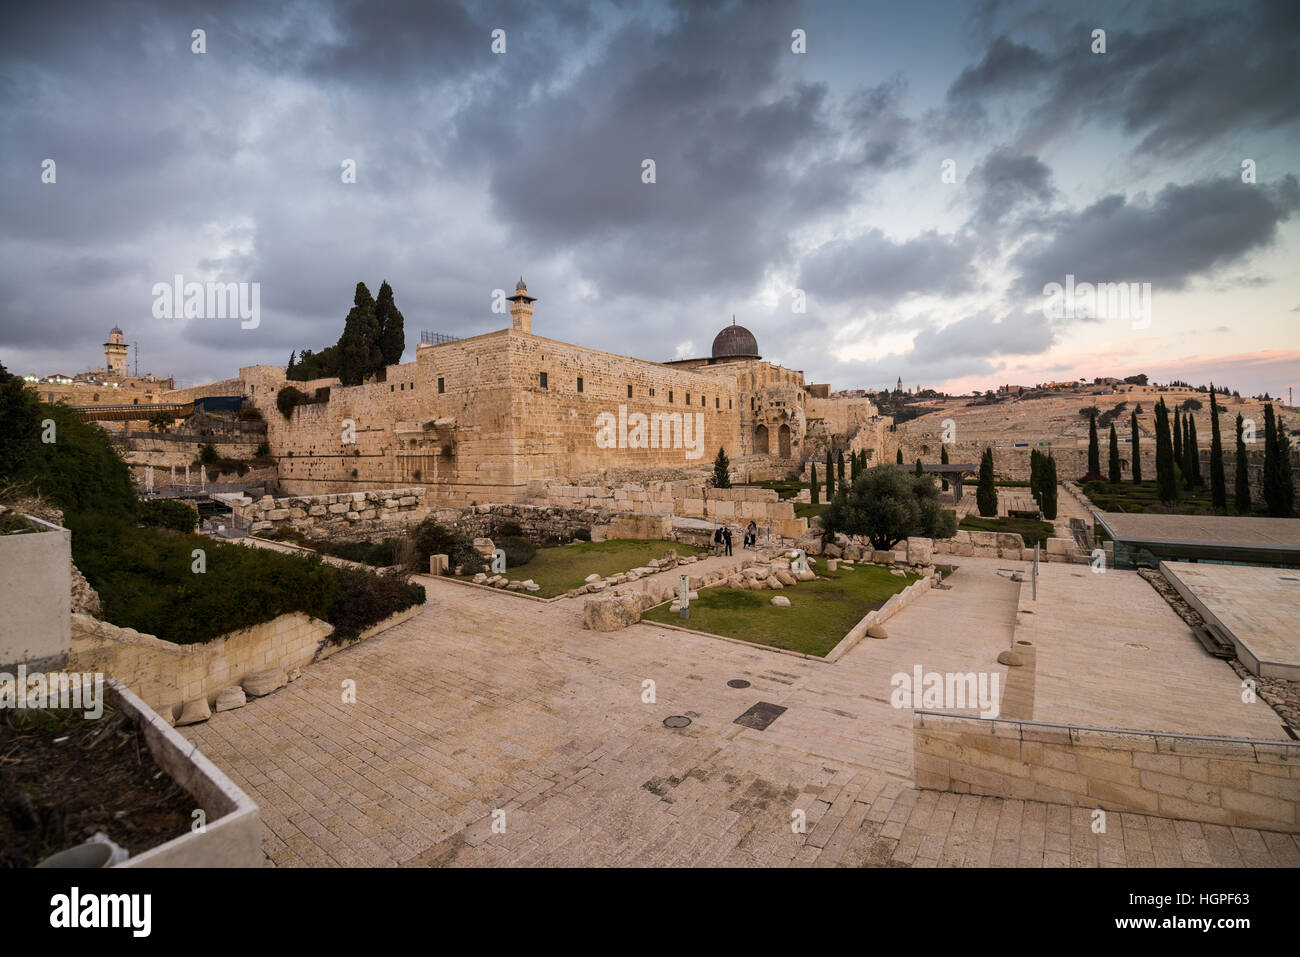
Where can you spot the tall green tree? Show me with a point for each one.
(1178, 438)
(358, 346)
(919, 470)
(1094, 449)
(1241, 493)
(721, 469)
(1112, 461)
(392, 335)
(1137, 449)
(1049, 488)
(813, 485)
(986, 494)
(839, 467)
(887, 505)
(900, 455)
(1166, 476)
(1286, 479)
(943, 459)
(1218, 481)
(854, 467)
(1192, 442)
(830, 477)
(1272, 474)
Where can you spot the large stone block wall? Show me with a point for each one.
(338, 515)
(682, 499)
(223, 387)
(1218, 781)
(556, 427)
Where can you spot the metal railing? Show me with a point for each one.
(436, 338)
(1290, 747)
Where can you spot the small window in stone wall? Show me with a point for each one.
(543, 380)
(442, 386)
(652, 392)
(629, 392)
(579, 383)
(670, 395)
(717, 404)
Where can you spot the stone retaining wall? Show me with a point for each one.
(342, 515)
(1215, 780)
(165, 675)
(682, 499)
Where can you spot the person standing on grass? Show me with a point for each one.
(726, 537)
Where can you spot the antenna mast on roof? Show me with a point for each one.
(137, 360)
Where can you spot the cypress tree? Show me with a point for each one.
(1047, 478)
(900, 455)
(721, 470)
(1166, 480)
(1218, 482)
(1112, 464)
(358, 347)
(839, 467)
(919, 470)
(392, 336)
(812, 481)
(1193, 451)
(1241, 494)
(1272, 483)
(1178, 438)
(1094, 450)
(943, 459)
(293, 359)
(1035, 477)
(854, 467)
(986, 495)
(1286, 480)
(830, 477)
(1137, 450)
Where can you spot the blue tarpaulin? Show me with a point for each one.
(219, 403)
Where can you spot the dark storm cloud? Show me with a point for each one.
(1171, 85)
(1181, 233)
(873, 269)
(1006, 181)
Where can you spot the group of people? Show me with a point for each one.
(722, 538)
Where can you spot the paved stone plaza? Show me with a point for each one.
(490, 701)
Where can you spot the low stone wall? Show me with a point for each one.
(337, 516)
(165, 675)
(1008, 545)
(682, 499)
(1215, 780)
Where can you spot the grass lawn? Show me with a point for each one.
(810, 511)
(1142, 497)
(1031, 529)
(820, 613)
(563, 567)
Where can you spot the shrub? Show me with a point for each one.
(145, 580)
(288, 398)
(510, 529)
(263, 449)
(208, 454)
(583, 534)
(169, 513)
(519, 551)
(430, 538)
(364, 598)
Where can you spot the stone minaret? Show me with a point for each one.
(115, 353)
(521, 307)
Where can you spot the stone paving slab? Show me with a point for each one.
(485, 704)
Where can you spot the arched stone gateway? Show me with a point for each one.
(783, 440)
(760, 440)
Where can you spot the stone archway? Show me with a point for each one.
(783, 440)
(760, 440)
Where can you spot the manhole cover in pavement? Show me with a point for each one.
(760, 716)
(737, 683)
(676, 721)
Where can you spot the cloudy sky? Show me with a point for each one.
(776, 171)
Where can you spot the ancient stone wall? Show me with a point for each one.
(224, 387)
(1219, 781)
(339, 515)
